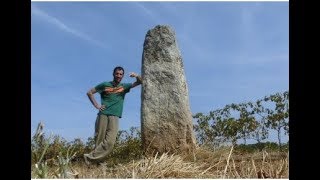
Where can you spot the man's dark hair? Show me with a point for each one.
(118, 68)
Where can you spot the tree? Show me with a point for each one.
(244, 120)
(205, 133)
(261, 132)
(278, 118)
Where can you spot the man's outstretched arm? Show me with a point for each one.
(138, 81)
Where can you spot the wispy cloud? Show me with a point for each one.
(145, 10)
(150, 14)
(61, 25)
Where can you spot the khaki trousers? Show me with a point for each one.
(106, 130)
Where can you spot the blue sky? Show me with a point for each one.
(232, 52)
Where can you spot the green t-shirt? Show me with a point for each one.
(113, 97)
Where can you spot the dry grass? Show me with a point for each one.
(223, 163)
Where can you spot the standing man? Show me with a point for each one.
(110, 110)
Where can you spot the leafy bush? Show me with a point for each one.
(127, 147)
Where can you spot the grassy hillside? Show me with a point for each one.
(223, 163)
(53, 157)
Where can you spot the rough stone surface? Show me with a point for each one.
(166, 119)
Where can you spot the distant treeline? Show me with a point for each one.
(249, 120)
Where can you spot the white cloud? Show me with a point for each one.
(147, 11)
(61, 25)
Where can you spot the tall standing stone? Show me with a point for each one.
(166, 119)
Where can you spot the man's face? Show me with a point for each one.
(117, 76)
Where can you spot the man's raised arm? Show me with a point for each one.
(138, 81)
